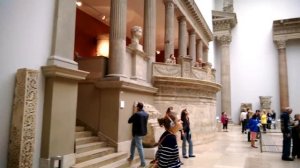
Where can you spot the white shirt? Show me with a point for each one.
(243, 116)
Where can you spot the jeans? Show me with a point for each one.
(286, 148)
(137, 142)
(184, 145)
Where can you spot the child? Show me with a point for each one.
(224, 120)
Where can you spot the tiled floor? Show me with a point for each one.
(231, 150)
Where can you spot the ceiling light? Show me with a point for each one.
(103, 17)
(78, 3)
(157, 52)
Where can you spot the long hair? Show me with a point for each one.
(167, 120)
(183, 115)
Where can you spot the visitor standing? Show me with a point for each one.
(186, 134)
(167, 154)
(139, 122)
(224, 120)
(286, 131)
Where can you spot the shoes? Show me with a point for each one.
(142, 166)
(254, 146)
(288, 159)
(185, 157)
(129, 159)
(181, 163)
(192, 156)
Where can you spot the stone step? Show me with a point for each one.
(123, 163)
(89, 146)
(101, 161)
(84, 156)
(83, 134)
(85, 140)
(79, 128)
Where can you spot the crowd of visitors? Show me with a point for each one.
(253, 123)
(167, 154)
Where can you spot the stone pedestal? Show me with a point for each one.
(58, 136)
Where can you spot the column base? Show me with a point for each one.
(67, 161)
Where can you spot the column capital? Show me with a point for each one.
(224, 39)
(281, 44)
(169, 2)
(181, 18)
(191, 32)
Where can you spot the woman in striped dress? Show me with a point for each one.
(167, 154)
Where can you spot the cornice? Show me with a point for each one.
(223, 20)
(125, 84)
(286, 29)
(188, 7)
(186, 82)
(57, 71)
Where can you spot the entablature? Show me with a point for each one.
(189, 9)
(223, 20)
(286, 29)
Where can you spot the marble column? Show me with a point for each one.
(150, 33)
(182, 43)
(225, 74)
(169, 28)
(62, 51)
(117, 38)
(205, 54)
(199, 49)
(283, 74)
(192, 45)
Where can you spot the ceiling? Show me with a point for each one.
(135, 16)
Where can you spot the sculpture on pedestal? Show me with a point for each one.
(171, 60)
(136, 35)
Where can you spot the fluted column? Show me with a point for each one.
(117, 37)
(192, 45)
(150, 33)
(199, 50)
(169, 28)
(283, 74)
(225, 74)
(182, 43)
(205, 54)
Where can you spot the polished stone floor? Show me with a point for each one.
(231, 150)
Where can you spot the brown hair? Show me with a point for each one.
(167, 120)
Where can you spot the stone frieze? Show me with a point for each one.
(22, 133)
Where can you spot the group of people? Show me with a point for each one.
(290, 128)
(167, 154)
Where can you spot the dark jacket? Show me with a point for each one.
(139, 122)
(186, 129)
(285, 123)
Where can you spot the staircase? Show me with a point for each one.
(93, 153)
